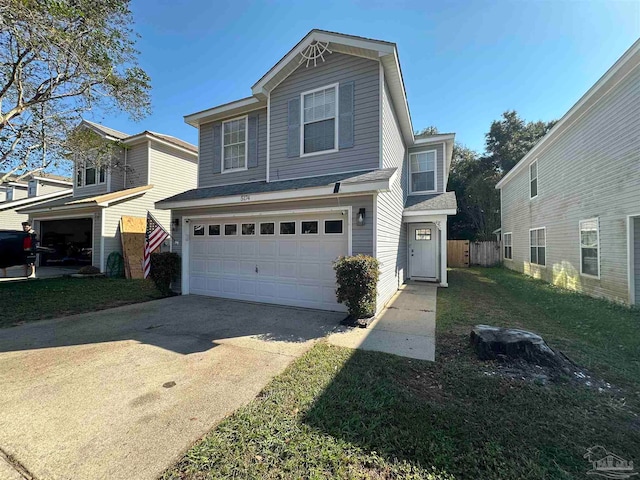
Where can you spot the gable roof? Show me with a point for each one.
(623, 67)
(111, 134)
(32, 201)
(102, 200)
(379, 50)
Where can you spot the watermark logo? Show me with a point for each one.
(608, 465)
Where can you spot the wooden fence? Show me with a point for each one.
(463, 253)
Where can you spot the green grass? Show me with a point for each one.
(338, 413)
(22, 302)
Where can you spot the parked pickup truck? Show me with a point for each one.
(16, 246)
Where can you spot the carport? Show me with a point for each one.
(72, 239)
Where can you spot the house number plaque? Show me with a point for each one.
(245, 198)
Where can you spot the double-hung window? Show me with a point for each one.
(234, 144)
(87, 175)
(533, 179)
(32, 189)
(423, 171)
(319, 130)
(589, 247)
(537, 245)
(508, 248)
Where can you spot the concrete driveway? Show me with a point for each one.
(120, 394)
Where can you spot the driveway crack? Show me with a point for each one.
(16, 465)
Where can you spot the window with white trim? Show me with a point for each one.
(590, 247)
(87, 175)
(32, 188)
(423, 171)
(234, 144)
(9, 194)
(537, 245)
(533, 179)
(319, 123)
(508, 248)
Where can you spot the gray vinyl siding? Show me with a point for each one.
(591, 170)
(19, 193)
(117, 171)
(391, 240)
(172, 172)
(636, 258)
(137, 169)
(45, 188)
(362, 236)
(337, 68)
(439, 148)
(206, 175)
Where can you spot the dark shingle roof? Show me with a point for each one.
(264, 187)
(436, 201)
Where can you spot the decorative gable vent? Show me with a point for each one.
(314, 51)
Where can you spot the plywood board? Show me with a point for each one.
(132, 232)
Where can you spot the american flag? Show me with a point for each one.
(153, 238)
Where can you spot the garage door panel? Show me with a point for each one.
(214, 266)
(247, 267)
(230, 267)
(288, 248)
(282, 269)
(287, 270)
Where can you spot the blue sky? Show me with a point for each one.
(464, 62)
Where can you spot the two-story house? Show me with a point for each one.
(320, 161)
(141, 169)
(571, 206)
(28, 191)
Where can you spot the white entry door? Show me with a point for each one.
(423, 251)
(284, 259)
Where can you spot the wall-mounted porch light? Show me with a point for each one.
(361, 216)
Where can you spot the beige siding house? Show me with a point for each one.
(29, 191)
(320, 161)
(145, 168)
(571, 206)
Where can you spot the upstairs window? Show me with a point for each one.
(32, 189)
(90, 175)
(423, 171)
(234, 145)
(319, 126)
(508, 248)
(590, 247)
(533, 179)
(538, 244)
(9, 194)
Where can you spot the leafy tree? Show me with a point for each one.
(427, 131)
(58, 60)
(473, 178)
(510, 138)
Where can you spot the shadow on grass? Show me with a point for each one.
(451, 417)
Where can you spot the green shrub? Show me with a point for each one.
(165, 268)
(89, 270)
(357, 279)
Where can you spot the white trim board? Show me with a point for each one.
(284, 195)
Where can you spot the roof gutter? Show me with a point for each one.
(283, 195)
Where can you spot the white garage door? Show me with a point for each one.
(285, 260)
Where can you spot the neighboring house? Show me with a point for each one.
(26, 192)
(571, 206)
(320, 161)
(144, 168)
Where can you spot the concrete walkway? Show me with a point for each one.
(407, 327)
(16, 274)
(120, 394)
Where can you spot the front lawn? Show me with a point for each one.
(22, 302)
(339, 413)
